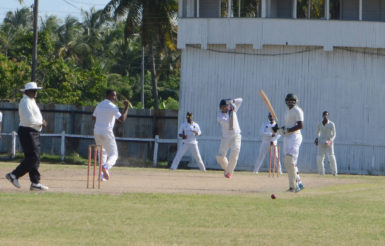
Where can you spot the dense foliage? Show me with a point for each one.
(79, 60)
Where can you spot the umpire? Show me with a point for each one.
(31, 123)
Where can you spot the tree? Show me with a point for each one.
(153, 20)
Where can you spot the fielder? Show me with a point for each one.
(188, 131)
(231, 135)
(326, 133)
(105, 115)
(269, 138)
(292, 140)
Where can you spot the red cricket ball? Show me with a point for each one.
(273, 196)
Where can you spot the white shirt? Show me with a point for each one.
(326, 132)
(266, 132)
(223, 119)
(292, 116)
(187, 129)
(106, 114)
(29, 113)
(1, 117)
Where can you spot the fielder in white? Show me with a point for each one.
(292, 139)
(188, 131)
(269, 138)
(105, 115)
(231, 135)
(326, 133)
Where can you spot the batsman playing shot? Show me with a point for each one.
(326, 133)
(188, 131)
(292, 139)
(105, 115)
(231, 135)
(269, 138)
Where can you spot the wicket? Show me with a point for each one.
(94, 149)
(276, 162)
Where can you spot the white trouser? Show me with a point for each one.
(291, 145)
(263, 150)
(234, 144)
(110, 149)
(326, 149)
(193, 147)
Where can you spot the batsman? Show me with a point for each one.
(292, 139)
(231, 135)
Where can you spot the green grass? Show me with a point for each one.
(73, 158)
(349, 214)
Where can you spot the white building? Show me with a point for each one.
(333, 60)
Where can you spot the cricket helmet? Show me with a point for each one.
(290, 97)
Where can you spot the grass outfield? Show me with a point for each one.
(343, 214)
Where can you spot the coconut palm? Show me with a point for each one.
(153, 20)
(70, 42)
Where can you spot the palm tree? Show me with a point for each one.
(15, 25)
(93, 30)
(153, 20)
(20, 19)
(70, 43)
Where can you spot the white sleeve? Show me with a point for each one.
(264, 131)
(237, 102)
(95, 113)
(117, 113)
(198, 129)
(318, 131)
(221, 119)
(299, 115)
(1, 117)
(180, 131)
(333, 133)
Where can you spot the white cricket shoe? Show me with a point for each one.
(38, 187)
(106, 174)
(12, 178)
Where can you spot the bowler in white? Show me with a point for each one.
(105, 115)
(188, 131)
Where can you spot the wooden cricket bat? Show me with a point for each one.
(268, 105)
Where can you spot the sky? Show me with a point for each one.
(59, 8)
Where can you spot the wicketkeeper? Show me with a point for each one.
(269, 138)
(231, 135)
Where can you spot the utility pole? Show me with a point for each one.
(142, 77)
(35, 32)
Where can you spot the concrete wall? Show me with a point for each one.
(295, 32)
(78, 120)
(346, 82)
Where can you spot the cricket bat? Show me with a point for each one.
(268, 105)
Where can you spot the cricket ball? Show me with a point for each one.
(273, 196)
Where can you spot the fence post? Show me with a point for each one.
(155, 159)
(13, 151)
(63, 145)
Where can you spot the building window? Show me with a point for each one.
(311, 9)
(241, 8)
(335, 9)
